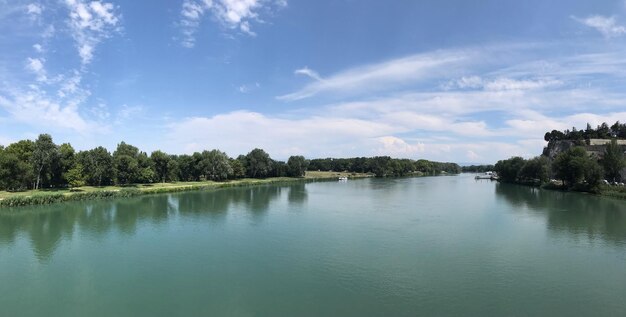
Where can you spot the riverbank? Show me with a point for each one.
(50, 196)
(618, 192)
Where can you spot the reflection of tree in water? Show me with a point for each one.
(574, 213)
(297, 194)
(45, 226)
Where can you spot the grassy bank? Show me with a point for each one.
(604, 190)
(50, 196)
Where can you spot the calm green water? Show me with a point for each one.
(441, 246)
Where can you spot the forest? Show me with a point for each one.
(41, 163)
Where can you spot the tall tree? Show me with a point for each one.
(239, 171)
(508, 170)
(536, 169)
(64, 162)
(97, 165)
(216, 165)
(613, 161)
(126, 169)
(44, 153)
(24, 174)
(576, 167)
(160, 161)
(258, 164)
(297, 166)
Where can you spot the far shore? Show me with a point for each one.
(49, 196)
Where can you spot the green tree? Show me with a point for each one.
(126, 169)
(279, 169)
(97, 166)
(75, 176)
(297, 166)
(536, 169)
(160, 161)
(239, 170)
(146, 171)
(185, 167)
(66, 160)
(380, 166)
(258, 164)
(508, 170)
(216, 165)
(44, 153)
(15, 174)
(613, 160)
(576, 168)
(19, 165)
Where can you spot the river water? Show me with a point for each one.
(432, 246)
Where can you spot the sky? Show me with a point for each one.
(447, 80)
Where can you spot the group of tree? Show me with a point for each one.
(382, 166)
(575, 167)
(43, 164)
(477, 168)
(603, 131)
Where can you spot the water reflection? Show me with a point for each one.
(46, 226)
(297, 194)
(574, 213)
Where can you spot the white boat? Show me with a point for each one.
(343, 178)
(487, 175)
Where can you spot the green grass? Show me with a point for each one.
(49, 196)
(613, 191)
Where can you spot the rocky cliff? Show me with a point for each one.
(595, 148)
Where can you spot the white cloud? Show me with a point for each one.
(231, 14)
(58, 101)
(192, 12)
(90, 23)
(34, 10)
(247, 88)
(501, 83)
(127, 112)
(396, 147)
(605, 25)
(37, 109)
(381, 76)
(239, 132)
(36, 66)
(308, 72)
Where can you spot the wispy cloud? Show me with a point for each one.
(34, 10)
(35, 65)
(501, 83)
(90, 23)
(380, 76)
(493, 105)
(606, 25)
(308, 72)
(247, 88)
(230, 14)
(57, 99)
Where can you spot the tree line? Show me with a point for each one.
(41, 163)
(383, 166)
(603, 131)
(477, 168)
(575, 168)
(28, 164)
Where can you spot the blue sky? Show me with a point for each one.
(463, 81)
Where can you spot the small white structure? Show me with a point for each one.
(488, 175)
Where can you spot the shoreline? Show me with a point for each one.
(45, 197)
(607, 191)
